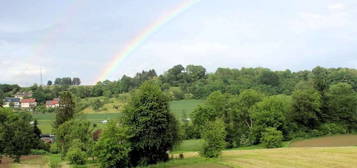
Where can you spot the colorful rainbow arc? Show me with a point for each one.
(144, 35)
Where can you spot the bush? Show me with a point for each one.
(54, 163)
(54, 149)
(112, 149)
(214, 135)
(272, 138)
(97, 104)
(38, 152)
(43, 146)
(332, 128)
(315, 133)
(76, 156)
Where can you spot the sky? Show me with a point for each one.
(79, 38)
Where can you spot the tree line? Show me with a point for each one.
(67, 81)
(193, 81)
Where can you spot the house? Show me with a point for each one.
(23, 95)
(12, 102)
(52, 103)
(47, 138)
(28, 103)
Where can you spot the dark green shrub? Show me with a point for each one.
(43, 146)
(272, 138)
(54, 149)
(97, 104)
(332, 129)
(112, 149)
(38, 152)
(214, 135)
(315, 133)
(76, 156)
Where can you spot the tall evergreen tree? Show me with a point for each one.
(36, 130)
(66, 109)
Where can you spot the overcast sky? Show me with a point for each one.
(78, 38)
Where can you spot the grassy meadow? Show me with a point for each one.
(246, 157)
(304, 157)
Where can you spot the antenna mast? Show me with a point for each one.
(41, 75)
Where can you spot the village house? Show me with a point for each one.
(23, 95)
(52, 103)
(28, 103)
(12, 102)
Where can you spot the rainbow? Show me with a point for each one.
(144, 35)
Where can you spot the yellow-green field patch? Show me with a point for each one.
(329, 141)
(341, 157)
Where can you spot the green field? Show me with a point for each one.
(45, 120)
(184, 107)
(176, 107)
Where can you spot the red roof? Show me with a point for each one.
(28, 101)
(52, 102)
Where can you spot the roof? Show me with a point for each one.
(52, 102)
(28, 101)
(11, 99)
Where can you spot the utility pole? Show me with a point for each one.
(41, 75)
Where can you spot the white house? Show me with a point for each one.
(12, 102)
(28, 103)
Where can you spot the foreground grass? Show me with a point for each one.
(193, 162)
(302, 157)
